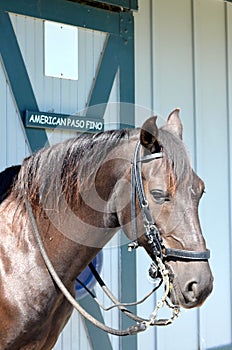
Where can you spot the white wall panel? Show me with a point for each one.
(189, 58)
(212, 162)
(229, 113)
(13, 144)
(173, 61)
(143, 61)
(173, 87)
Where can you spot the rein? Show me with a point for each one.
(157, 269)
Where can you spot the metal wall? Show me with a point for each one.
(186, 62)
(13, 146)
(183, 59)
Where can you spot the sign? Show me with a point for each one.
(63, 121)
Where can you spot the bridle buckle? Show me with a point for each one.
(133, 245)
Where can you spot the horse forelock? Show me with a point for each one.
(177, 158)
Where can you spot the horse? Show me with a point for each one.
(81, 193)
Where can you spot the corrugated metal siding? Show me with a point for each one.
(188, 54)
(12, 139)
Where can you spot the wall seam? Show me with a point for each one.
(153, 82)
(195, 164)
(151, 59)
(228, 107)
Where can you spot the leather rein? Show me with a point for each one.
(157, 269)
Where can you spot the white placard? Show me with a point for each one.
(60, 50)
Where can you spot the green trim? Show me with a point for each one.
(127, 118)
(126, 4)
(66, 12)
(19, 80)
(128, 293)
(99, 338)
(105, 77)
(134, 5)
(127, 69)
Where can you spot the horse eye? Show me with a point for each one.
(160, 196)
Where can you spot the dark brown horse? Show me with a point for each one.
(80, 193)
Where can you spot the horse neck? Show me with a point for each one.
(74, 235)
(68, 256)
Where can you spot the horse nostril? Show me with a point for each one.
(191, 291)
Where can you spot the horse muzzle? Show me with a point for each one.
(191, 282)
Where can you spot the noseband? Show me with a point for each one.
(153, 236)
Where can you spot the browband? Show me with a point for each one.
(149, 157)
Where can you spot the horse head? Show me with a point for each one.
(169, 195)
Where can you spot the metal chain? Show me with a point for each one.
(164, 300)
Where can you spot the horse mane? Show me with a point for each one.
(64, 167)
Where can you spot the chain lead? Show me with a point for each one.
(164, 300)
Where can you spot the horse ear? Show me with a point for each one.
(149, 135)
(174, 123)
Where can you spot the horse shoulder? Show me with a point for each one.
(29, 301)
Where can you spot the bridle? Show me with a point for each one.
(157, 269)
(153, 236)
(160, 253)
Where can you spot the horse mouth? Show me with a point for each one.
(191, 294)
